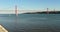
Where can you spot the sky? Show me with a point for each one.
(29, 5)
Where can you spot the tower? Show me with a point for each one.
(54, 10)
(16, 11)
(47, 11)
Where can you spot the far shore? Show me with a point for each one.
(45, 12)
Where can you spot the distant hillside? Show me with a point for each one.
(45, 12)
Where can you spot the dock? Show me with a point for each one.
(2, 29)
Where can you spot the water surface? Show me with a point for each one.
(31, 22)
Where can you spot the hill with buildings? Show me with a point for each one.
(44, 12)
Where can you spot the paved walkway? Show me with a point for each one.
(2, 29)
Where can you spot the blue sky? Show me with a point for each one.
(29, 4)
(8, 4)
(40, 4)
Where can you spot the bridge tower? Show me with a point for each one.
(47, 11)
(16, 10)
